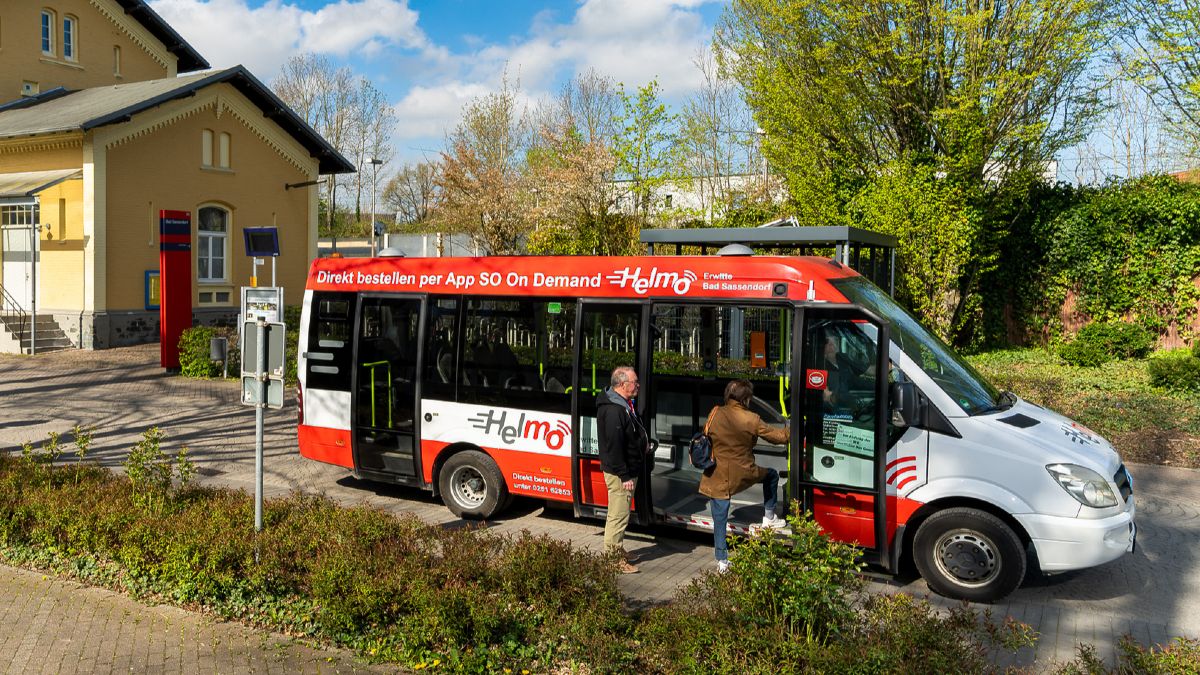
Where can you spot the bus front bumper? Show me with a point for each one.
(1065, 544)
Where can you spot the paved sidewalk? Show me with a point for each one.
(1154, 594)
(50, 625)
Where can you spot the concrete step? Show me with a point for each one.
(15, 335)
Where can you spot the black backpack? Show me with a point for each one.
(700, 448)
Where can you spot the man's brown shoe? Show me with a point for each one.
(629, 557)
(626, 568)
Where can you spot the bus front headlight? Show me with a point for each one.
(1086, 486)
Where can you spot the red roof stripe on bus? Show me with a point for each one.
(607, 277)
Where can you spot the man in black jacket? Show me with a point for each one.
(623, 444)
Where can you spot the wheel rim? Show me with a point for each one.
(967, 558)
(468, 487)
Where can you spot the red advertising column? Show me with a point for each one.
(175, 282)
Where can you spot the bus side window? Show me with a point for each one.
(517, 353)
(329, 346)
(441, 356)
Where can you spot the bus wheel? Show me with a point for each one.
(472, 485)
(968, 554)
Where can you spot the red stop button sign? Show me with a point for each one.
(817, 378)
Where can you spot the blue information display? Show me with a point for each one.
(262, 242)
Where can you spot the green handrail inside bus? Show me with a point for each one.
(372, 366)
(783, 395)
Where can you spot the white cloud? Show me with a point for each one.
(429, 112)
(632, 41)
(229, 32)
(629, 40)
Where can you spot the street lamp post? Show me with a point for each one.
(762, 150)
(374, 162)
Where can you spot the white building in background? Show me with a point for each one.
(701, 198)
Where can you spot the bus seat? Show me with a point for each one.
(553, 386)
(445, 364)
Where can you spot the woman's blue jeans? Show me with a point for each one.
(720, 512)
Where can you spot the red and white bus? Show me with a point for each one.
(476, 378)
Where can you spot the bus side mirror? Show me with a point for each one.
(903, 399)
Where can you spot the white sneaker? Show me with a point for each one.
(774, 522)
(722, 566)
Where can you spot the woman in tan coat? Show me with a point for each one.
(734, 430)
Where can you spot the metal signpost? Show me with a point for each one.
(263, 349)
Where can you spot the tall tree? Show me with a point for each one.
(980, 89)
(644, 147)
(482, 187)
(1163, 37)
(371, 125)
(411, 193)
(323, 97)
(571, 169)
(718, 143)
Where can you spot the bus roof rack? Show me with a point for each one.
(867, 252)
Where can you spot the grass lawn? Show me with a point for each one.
(1147, 424)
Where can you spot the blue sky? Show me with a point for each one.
(431, 56)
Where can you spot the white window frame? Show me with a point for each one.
(70, 41)
(49, 27)
(216, 242)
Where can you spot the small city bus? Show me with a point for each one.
(477, 378)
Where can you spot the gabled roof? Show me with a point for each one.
(89, 109)
(189, 58)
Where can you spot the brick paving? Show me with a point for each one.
(50, 625)
(1154, 594)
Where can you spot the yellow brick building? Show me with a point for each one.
(100, 133)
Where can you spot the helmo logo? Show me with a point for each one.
(654, 279)
(554, 435)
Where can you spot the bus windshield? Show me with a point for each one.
(953, 374)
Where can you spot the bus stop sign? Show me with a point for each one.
(274, 336)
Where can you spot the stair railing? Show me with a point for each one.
(10, 309)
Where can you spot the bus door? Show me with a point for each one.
(609, 334)
(385, 393)
(699, 348)
(841, 439)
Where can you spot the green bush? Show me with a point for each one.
(1196, 349)
(194, 352)
(1177, 370)
(1101, 342)
(1084, 353)
(1181, 657)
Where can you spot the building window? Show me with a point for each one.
(24, 214)
(211, 242)
(223, 151)
(116, 61)
(206, 143)
(48, 32)
(70, 35)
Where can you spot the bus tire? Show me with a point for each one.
(472, 485)
(968, 554)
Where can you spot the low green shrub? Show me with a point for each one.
(469, 600)
(1101, 342)
(796, 604)
(1084, 353)
(1177, 370)
(1196, 349)
(1180, 657)
(194, 352)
